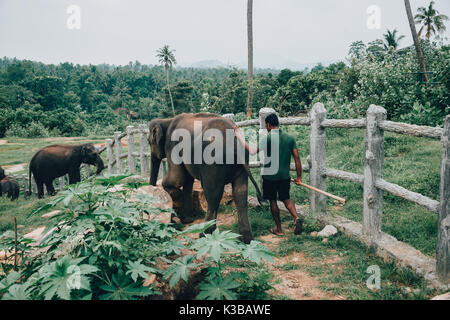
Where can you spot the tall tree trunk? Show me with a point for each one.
(416, 41)
(250, 57)
(170, 93)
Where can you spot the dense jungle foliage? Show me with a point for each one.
(39, 100)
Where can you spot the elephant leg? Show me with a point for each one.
(188, 208)
(74, 176)
(213, 195)
(50, 189)
(240, 197)
(40, 188)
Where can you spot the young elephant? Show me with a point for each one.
(10, 187)
(58, 160)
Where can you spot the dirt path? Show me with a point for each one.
(292, 284)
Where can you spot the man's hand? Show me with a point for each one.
(298, 180)
(236, 129)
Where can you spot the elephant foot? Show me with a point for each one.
(186, 220)
(246, 238)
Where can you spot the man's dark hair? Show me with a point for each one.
(272, 119)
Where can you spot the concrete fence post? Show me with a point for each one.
(61, 183)
(373, 170)
(131, 157)
(110, 155)
(443, 238)
(25, 184)
(118, 143)
(143, 149)
(318, 143)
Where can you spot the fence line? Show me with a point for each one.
(375, 124)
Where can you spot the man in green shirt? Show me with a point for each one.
(276, 177)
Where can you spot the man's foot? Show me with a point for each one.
(276, 232)
(298, 229)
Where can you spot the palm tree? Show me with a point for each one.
(416, 41)
(167, 57)
(250, 57)
(391, 39)
(431, 20)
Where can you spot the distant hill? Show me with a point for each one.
(207, 64)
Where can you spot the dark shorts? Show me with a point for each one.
(271, 188)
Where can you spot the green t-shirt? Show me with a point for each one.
(286, 144)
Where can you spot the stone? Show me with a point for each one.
(199, 200)
(445, 296)
(51, 214)
(328, 231)
(165, 202)
(135, 179)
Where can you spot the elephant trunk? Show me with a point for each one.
(156, 162)
(100, 165)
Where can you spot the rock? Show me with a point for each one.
(51, 214)
(199, 200)
(314, 234)
(117, 188)
(328, 231)
(445, 296)
(135, 179)
(165, 202)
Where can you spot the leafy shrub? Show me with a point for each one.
(102, 248)
(33, 130)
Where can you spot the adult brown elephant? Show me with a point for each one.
(58, 160)
(213, 176)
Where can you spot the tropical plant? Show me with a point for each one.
(167, 58)
(101, 247)
(392, 40)
(430, 19)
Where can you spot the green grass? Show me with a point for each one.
(347, 274)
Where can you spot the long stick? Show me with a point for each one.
(322, 192)
(15, 244)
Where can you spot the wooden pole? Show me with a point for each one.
(110, 155)
(15, 244)
(373, 170)
(131, 158)
(443, 239)
(318, 145)
(321, 192)
(118, 143)
(143, 149)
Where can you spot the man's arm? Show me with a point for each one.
(298, 166)
(250, 150)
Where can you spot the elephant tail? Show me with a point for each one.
(258, 192)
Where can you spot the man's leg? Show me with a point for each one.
(284, 193)
(276, 217)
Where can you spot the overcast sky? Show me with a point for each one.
(286, 32)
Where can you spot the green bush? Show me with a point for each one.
(102, 248)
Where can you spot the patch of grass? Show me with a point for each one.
(341, 266)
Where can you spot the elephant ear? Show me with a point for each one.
(157, 133)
